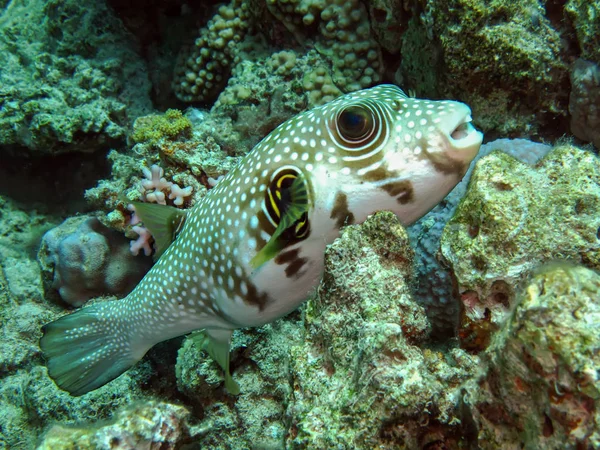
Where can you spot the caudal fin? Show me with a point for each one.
(86, 349)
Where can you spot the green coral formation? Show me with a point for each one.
(486, 50)
(542, 388)
(152, 129)
(513, 218)
(202, 69)
(65, 83)
(585, 16)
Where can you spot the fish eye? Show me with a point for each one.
(355, 123)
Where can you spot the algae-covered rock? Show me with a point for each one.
(542, 389)
(361, 379)
(585, 16)
(513, 218)
(261, 365)
(148, 425)
(502, 58)
(71, 77)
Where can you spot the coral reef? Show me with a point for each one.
(72, 79)
(513, 218)
(83, 259)
(341, 31)
(485, 49)
(584, 101)
(202, 68)
(361, 379)
(542, 388)
(370, 361)
(28, 399)
(433, 286)
(149, 425)
(187, 162)
(353, 373)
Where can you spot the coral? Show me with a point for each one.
(202, 69)
(361, 379)
(542, 388)
(513, 218)
(150, 425)
(154, 186)
(256, 417)
(153, 129)
(28, 399)
(487, 54)
(433, 287)
(187, 163)
(142, 242)
(584, 101)
(82, 259)
(585, 16)
(261, 94)
(320, 87)
(343, 35)
(282, 63)
(66, 83)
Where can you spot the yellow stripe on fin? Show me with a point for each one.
(290, 214)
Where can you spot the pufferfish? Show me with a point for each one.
(252, 250)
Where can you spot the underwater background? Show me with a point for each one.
(476, 327)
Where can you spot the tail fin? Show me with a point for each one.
(86, 349)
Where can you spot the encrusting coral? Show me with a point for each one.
(542, 388)
(513, 218)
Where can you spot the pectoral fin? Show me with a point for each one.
(292, 204)
(216, 343)
(164, 222)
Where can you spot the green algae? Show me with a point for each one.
(152, 129)
(502, 58)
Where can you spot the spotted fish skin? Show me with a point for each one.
(371, 150)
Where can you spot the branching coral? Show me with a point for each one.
(155, 187)
(203, 68)
(154, 190)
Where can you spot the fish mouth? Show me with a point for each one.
(464, 135)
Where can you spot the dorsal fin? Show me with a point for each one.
(164, 222)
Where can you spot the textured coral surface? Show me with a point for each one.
(467, 343)
(513, 218)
